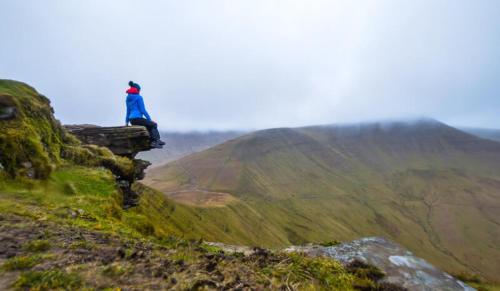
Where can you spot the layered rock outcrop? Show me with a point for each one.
(121, 140)
(124, 141)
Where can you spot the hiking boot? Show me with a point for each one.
(156, 145)
(160, 142)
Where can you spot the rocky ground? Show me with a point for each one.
(42, 255)
(56, 255)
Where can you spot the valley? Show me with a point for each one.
(424, 184)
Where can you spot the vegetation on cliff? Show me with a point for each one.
(34, 143)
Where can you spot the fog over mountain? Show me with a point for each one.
(258, 64)
(181, 144)
(488, 133)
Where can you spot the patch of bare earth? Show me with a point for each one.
(202, 198)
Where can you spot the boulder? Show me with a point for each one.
(400, 265)
(121, 140)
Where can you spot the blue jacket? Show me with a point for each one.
(135, 107)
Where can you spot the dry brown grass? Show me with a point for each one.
(201, 198)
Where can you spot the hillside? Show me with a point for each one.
(181, 144)
(62, 225)
(493, 134)
(428, 186)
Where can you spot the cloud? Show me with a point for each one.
(256, 64)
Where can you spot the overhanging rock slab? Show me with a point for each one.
(121, 140)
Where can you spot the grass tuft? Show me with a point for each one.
(211, 249)
(327, 273)
(331, 243)
(37, 246)
(365, 271)
(51, 279)
(21, 263)
(114, 270)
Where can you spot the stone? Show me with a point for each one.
(140, 166)
(27, 165)
(400, 265)
(121, 140)
(7, 109)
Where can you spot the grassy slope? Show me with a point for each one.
(74, 219)
(428, 186)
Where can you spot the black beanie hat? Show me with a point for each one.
(135, 85)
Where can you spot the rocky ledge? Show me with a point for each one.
(124, 141)
(121, 140)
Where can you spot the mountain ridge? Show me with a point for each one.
(487, 133)
(406, 181)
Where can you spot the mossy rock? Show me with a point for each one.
(30, 143)
(34, 143)
(96, 156)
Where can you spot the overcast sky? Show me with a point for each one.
(248, 64)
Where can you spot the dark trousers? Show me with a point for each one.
(152, 127)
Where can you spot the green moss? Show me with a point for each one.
(327, 273)
(85, 182)
(184, 255)
(140, 223)
(365, 271)
(21, 263)
(70, 189)
(330, 243)
(51, 279)
(96, 156)
(34, 138)
(211, 249)
(37, 246)
(114, 270)
(364, 284)
(81, 245)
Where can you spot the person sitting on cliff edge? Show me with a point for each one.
(136, 111)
